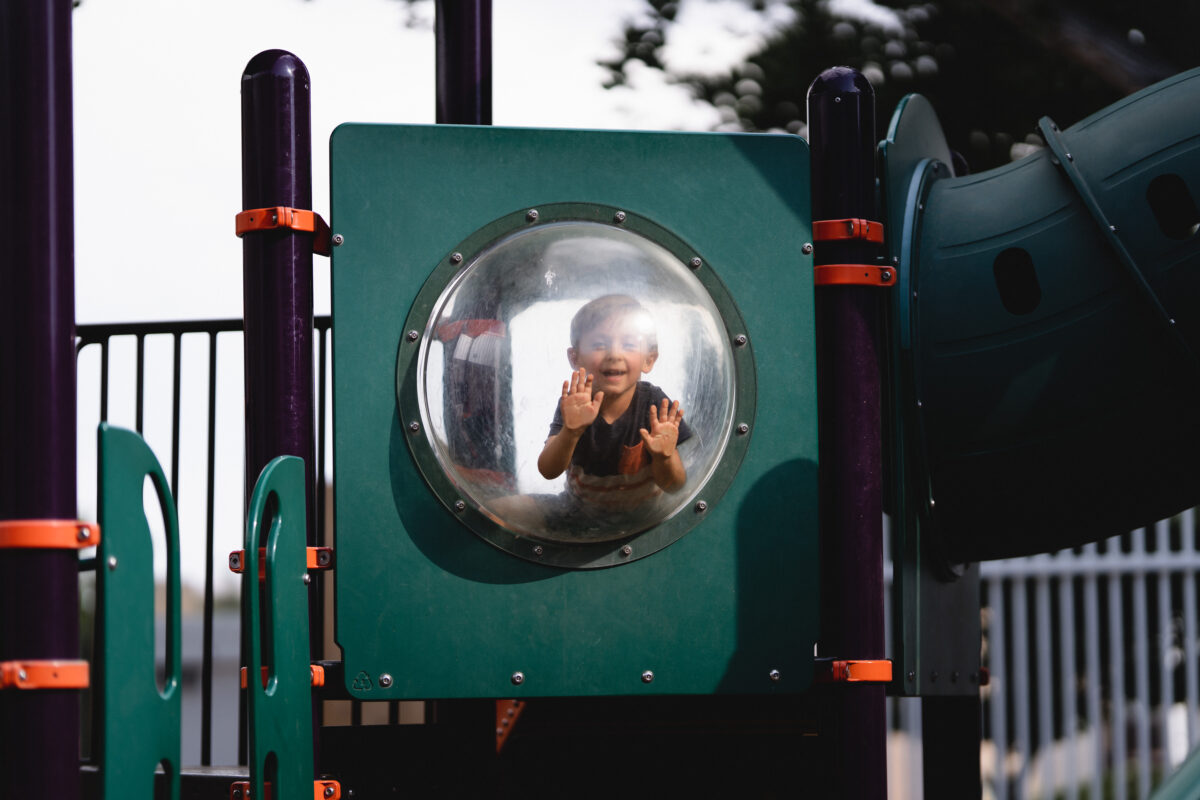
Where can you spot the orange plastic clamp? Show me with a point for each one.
(318, 558)
(322, 790)
(44, 674)
(853, 275)
(316, 674)
(832, 230)
(56, 534)
(507, 712)
(266, 219)
(855, 670)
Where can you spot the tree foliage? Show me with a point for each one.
(991, 68)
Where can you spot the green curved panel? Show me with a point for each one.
(128, 698)
(275, 622)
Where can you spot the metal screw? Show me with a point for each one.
(912, 676)
(743, 428)
(619, 217)
(112, 563)
(22, 675)
(1112, 228)
(235, 561)
(537, 550)
(518, 678)
(329, 791)
(647, 676)
(459, 505)
(695, 263)
(886, 275)
(456, 258)
(531, 215)
(237, 794)
(413, 336)
(920, 206)
(385, 680)
(701, 507)
(837, 99)
(84, 534)
(323, 558)
(774, 675)
(807, 248)
(338, 239)
(414, 427)
(1070, 157)
(626, 550)
(740, 340)
(307, 579)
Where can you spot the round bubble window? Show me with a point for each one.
(572, 380)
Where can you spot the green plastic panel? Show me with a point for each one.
(427, 608)
(128, 696)
(275, 617)
(935, 614)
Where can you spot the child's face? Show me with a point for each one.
(616, 352)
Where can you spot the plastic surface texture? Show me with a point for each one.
(275, 619)
(128, 696)
(442, 612)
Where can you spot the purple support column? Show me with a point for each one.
(464, 62)
(39, 589)
(841, 124)
(278, 284)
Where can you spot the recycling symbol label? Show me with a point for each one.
(362, 682)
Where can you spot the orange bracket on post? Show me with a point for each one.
(853, 275)
(318, 558)
(44, 674)
(268, 219)
(844, 670)
(322, 790)
(316, 674)
(48, 534)
(837, 230)
(507, 712)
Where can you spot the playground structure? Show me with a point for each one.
(986, 313)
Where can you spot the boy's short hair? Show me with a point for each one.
(605, 307)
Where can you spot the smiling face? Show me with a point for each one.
(616, 351)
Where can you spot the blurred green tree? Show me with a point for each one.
(991, 68)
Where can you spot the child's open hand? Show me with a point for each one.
(579, 407)
(664, 429)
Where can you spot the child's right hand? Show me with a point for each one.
(579, 407)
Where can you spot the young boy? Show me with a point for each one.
(615, 435)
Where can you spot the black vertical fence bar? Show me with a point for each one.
(39, 589)
(177, 370)
(464, 61)
(841, 120)
(278, 285)
(206, 664)
(139, 415)
(104, 380)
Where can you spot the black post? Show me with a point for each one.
(464, 62)
(278, 288)
(841, 124)
(39, 590)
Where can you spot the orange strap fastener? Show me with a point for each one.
(837, 230)
(318, 558)
(853, 275)
(316, 674)
(48, 534)
(507, 712)
(324, 789)
(845, 670)
(44, 674)
(269, 219)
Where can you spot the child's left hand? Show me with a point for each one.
(664, 429)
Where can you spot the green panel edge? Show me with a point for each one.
(128, 697)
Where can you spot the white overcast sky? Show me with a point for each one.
(157, 115)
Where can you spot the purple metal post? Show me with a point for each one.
(278, 284)
(39, 589)
(464, 62)
(841, 123)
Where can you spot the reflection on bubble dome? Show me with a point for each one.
(494, 359)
